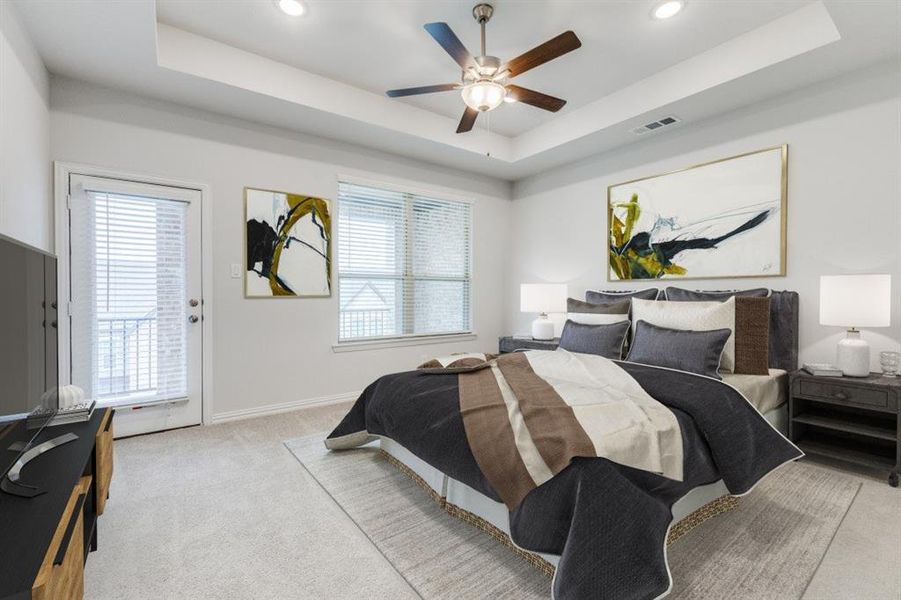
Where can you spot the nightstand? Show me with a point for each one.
(855, 419)
(509, 343)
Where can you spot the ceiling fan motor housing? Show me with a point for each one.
(486, 68)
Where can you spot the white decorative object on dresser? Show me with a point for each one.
(855, 301)
(542, 298)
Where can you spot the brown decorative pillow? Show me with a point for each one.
(616, 308)
(752, 335)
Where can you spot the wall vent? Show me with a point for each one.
(655, 125)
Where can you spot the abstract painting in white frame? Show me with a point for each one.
(720, 219)
(288, 245)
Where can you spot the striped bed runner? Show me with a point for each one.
(529, 414)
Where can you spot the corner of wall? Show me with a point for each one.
(26, 202)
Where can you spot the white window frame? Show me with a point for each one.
(407, 188)
(61, 174)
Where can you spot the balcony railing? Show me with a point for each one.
(126, 355)
(360, 323)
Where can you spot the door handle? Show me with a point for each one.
(193, 319)
(193, 302)
(70, 529)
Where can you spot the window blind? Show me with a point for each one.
(403, 264)
(128, 296)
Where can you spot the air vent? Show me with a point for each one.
(655, 125)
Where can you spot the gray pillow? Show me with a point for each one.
(603, 340)
(694, 351)
(616, 308)
(674, 294)
(613, 296)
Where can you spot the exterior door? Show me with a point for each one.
(135, 301)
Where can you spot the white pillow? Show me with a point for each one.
(595, 318)
(696, 316)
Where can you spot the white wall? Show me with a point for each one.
(270, 352)
(25, 170)
(844, 199)
(844, 213)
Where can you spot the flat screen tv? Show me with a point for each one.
(29, 366)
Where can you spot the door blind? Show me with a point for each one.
(403, 264)
(128, 296)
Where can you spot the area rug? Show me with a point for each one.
(768, 547)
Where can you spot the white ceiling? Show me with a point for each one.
(379, 46)
(325, 73)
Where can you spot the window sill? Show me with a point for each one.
(400, 342)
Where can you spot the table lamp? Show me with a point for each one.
(542, 298)
(855, 301)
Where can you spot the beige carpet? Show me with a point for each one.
(769, 547)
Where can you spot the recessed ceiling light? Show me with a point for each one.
(667, 9)
(293, 8)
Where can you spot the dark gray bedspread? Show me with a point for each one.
(608, 522)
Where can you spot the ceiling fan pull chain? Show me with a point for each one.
(488, 134)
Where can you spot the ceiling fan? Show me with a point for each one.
(484, 82)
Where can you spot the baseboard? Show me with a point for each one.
(271, 409)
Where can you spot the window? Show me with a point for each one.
(403, 264)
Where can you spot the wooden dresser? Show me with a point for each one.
(45, 540)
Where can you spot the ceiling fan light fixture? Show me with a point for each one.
(292, 8)
(483, 95)
(667, 9)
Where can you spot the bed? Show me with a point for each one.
(557, 526)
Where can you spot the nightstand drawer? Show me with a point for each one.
(846, 394)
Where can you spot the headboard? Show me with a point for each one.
(783, 322)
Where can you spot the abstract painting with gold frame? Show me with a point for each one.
(720, 219)
(288, 245)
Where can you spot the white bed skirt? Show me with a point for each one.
(460, 494)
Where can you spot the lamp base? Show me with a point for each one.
(853, 355)
(542, 328)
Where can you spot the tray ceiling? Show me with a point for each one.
(378, 46)
(325, 73)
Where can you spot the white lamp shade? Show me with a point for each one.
(542, 297)
(856, 300)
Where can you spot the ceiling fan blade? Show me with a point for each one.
(425, 89)
(551, 49)
(533, 98)
(448, 40)
(468, 120)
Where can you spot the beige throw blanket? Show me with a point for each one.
(529, 414)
